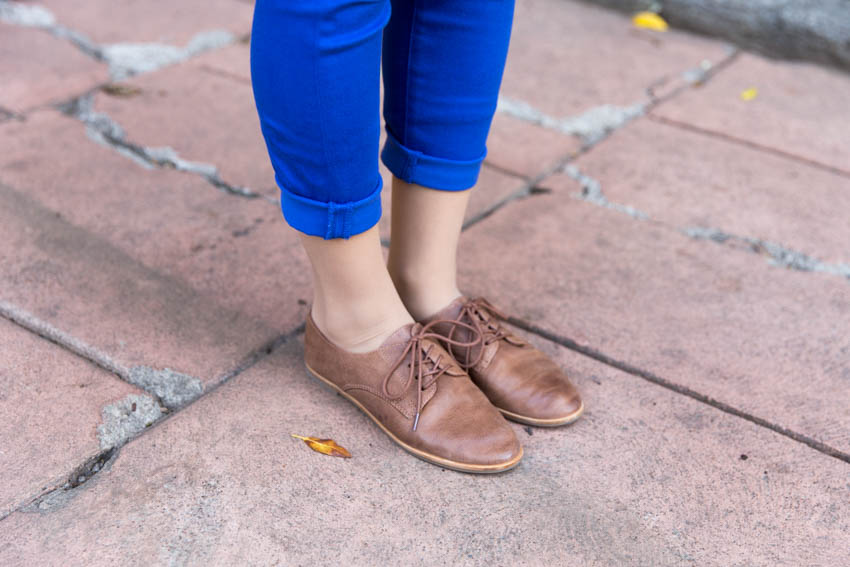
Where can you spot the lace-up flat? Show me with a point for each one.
(518, 379)
(417, 394)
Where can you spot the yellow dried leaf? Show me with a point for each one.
(649, 21)
(749, 94)
(325, 446)
(119, 89)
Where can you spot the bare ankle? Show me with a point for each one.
(357, 329)
(423, 295)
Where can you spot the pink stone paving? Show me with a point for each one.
(154, 267)
(50, 408)
(152, 21)
(723, 322)
(568, 57)
(223, 482)
(526, 149)
(690, 180)
(799, 109)
(716, 423)
(39, 69)
(203, 116)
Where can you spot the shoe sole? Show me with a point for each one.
(556, 422)
(425, 456)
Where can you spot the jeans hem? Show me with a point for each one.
(329, 219)
(429, 171)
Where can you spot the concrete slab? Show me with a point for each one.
(204, 116)
(567, 57)
(152, 267)
(50, 408)
(723, 322)
(38, 69)
(688, 179)
(157, 21)
(526, 149)
(800, 108)
(647, 477)
(233, 61)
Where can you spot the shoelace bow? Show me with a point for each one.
(487, 327)
(420, 356)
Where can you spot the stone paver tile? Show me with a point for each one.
(800, 108)
(524, 148)
(50, 407)
(723, 322)
(689, 179)
(567, 57)
(154, 21)
(152, 267)
(38, 69)
(647, 477)
(233, 61)
(204, 116)
(493, 186)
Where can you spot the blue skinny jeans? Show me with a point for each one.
(315, 70)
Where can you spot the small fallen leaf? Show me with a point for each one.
(749, 94)
(118, 89)
(649, 21)
(325, 446)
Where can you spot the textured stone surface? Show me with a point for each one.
(50, 407)
(154, 21)
(204, 116)
(566, 57)
(723, 322)
(688, 180)
(172, 283)
(153, 267)
(232, 61)
(224, 482)
(38, 69)
(800, 109)
(526, 149)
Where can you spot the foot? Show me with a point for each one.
(518, 379)
(412, 388)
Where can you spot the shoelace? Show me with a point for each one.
(420, 356)
(488, 328)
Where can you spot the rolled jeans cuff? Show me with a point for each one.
(329, 219)
(429, 171)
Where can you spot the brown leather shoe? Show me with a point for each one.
(413, 389)
(522, 382)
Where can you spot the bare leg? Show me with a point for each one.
(426, 227)
(354, 302)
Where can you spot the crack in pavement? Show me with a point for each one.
(591, 191)
(690, 78)
(597, 123)
(590, 127)
(124, 59)
(679, 389)
(106, 131)
(777, 254)
(132, 416)
(171, 389)
(749, 144)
